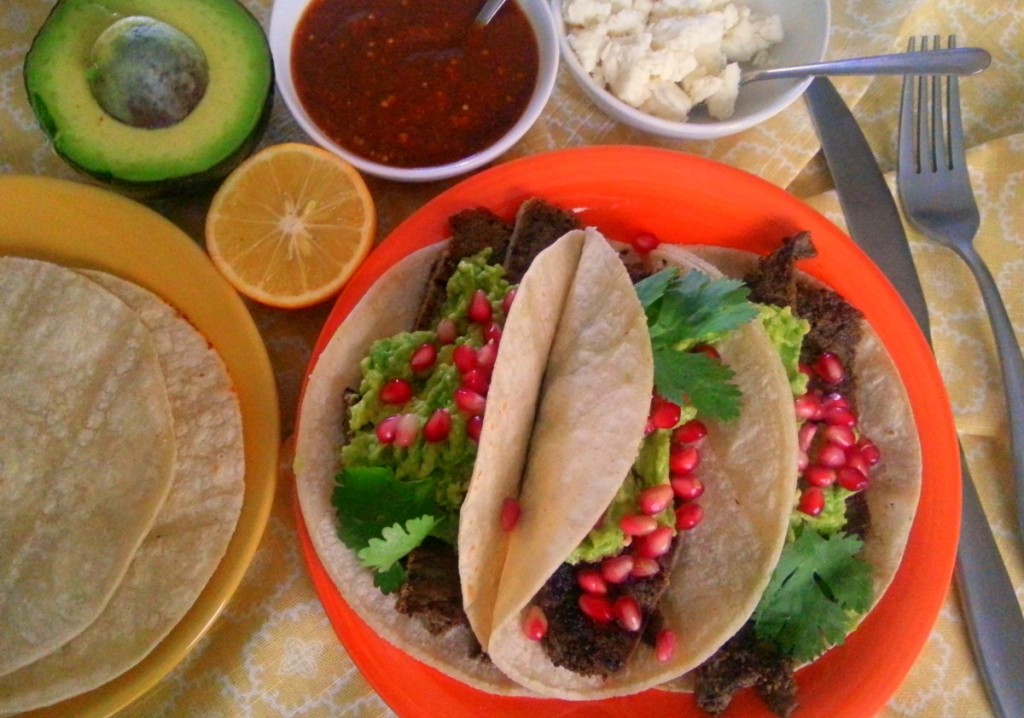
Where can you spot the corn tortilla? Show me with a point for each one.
(86, 454)
(190, 533)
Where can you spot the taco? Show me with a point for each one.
(427, 390)
(635, 560)
(859, 479)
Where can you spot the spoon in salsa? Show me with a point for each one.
(488, 11)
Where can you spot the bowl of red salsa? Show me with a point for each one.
(413, 90)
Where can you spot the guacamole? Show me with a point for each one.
(787, 333)
(447, 464)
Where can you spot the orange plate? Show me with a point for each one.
(688, 200)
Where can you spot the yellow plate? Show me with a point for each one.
(77, 225)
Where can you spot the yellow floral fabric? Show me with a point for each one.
(272, 652)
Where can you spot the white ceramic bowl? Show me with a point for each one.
(805, 26)
(286, 15)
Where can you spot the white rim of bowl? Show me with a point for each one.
(541, 20)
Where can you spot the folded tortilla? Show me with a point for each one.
(595, 401)
(388, 308)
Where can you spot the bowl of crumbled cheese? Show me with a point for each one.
(672, 67)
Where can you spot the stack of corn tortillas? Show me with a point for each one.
(121, 471)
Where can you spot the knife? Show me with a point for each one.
(994, 618)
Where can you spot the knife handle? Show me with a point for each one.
(990, 606)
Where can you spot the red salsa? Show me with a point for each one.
(413, 83)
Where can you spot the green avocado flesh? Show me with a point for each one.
(151, 95)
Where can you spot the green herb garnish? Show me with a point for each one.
(683, 312)
(818, 589)
(382, 519)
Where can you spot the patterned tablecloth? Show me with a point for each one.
(272, 652)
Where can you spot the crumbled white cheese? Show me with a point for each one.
(666, 56)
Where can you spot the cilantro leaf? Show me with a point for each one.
(367, 499)
(391, 580)
(694, 307)
(683, 311)
(396, 541)
(697, 379)
(818, 588)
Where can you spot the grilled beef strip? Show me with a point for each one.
(576, 642)
(744, 661)
(473, 230)
(432, 590)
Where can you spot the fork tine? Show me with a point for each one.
(956, 127)
(940, 157)
(925, 141)
(908, 152)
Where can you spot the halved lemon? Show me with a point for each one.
(290, 225)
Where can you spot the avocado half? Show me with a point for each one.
(153, 97)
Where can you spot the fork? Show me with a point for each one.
(935, 191)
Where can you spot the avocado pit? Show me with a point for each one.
(146, 73)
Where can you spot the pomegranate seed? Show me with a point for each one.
(832, 456)
(470, 402)
(654, 544)
(820, 476)
(808, 406)
(493, 332)
(474, 426)
(510, 511)
(645, 242)
(627, 613)
(664, 413)
(476, 380)
(396, 391)
(840, 416)
(812, 501)
(617, 569)
(655, 499)
(438, 426)
(665, 645)
(596, 608)
(406, 429)
(506, 303)
(805, 370)
(637, 524)
(855, 460)
(446, 332)
(829, 369)
(464, 358)
(802, 462)
(535, 623)
(649, 428)
(683, 460)
(834, 399)
(386, 430)
(688, 516)
(869, 451)
(806, 435)
(708, 351)
(423, 358)
(487, 354)
(479, 311)
(690, 433)
(645, 567)
(687, 488)
(591, 581)
(852, 479)
(840, 435)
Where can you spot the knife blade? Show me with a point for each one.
(994, 619)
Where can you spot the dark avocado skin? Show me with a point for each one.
(172, 186)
